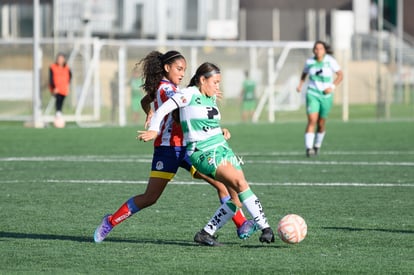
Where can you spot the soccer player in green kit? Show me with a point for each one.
(321, 69)
(209, 150)
(248, 97)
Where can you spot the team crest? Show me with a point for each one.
(183, 99)
(159, 165)
(210, 160)
(169, 91)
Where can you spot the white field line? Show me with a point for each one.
(304, 184)
(333, 153)
(147, 159)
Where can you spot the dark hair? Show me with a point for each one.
(63, 55)
(207, 70)
(327, 48)
(153, 69)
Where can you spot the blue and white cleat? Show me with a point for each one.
(247, 229)
(103, 229)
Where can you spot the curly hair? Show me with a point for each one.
(152, 67)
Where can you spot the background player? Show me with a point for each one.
(321, 69)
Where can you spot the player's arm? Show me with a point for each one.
(302, 80)
(157, 117)
(337, 81)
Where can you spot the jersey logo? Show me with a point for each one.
(169, 91)
(198, 100)
(183, 99)
(211, 112)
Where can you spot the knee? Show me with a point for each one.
(239, 185)
(147, 201)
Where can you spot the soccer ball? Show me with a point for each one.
(292, 229)
(59, 122)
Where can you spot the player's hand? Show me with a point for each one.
(226, 133)
(327, 91)
(146, 135)
(299, 88)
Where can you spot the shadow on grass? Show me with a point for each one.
(370, 229)
(84, 239)
(89, 239)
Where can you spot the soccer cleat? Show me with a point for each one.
(103, 229)
(310, 152)
(315, 150)
(202, 237)
(247, 229)
(267, 236)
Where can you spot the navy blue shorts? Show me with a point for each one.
(167, 159)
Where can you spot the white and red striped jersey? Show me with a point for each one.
(170, 133)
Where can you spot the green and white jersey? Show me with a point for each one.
(199, 116)
(249, 87)
(321, 74)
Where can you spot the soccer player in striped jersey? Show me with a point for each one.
(321, 68)
(208, 149)
(162, 74)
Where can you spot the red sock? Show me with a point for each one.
(239, 218)
(120, 215)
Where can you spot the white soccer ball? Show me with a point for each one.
(292, 229)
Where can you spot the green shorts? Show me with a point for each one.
(207, 161)
(321, 104)
(249, 105)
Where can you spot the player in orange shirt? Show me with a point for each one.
(60, 76)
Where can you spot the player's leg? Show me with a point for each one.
(312, 110)
(244, 227)
(229, 172)
(59, 104)
(234, 178)
(154, 189)
(164, 167)
(326, 106)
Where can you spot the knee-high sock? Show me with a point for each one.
(309, 140)
(253, 205)
(319, 139)
(222, 215)
(239, 218)
(125, 211)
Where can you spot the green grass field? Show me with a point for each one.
(357, 198)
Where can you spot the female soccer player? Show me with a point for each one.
(319, 96)
(162, 74)
(208, 149)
